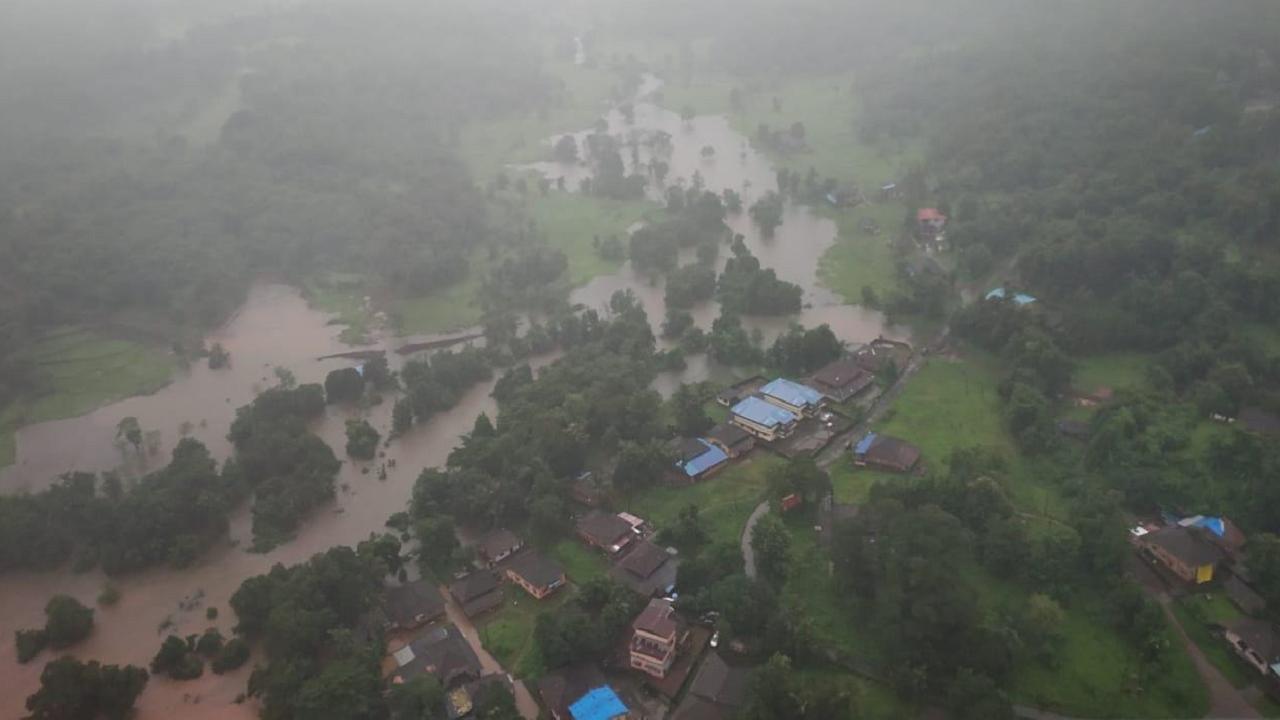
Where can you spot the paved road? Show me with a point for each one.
(525, 703)
(748, 554)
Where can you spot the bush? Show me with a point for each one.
(68, 622)
(109, 596)
(29, 644)
(211, 613)
(234, 654)
(210, 643)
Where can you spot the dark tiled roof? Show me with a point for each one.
(719, 682)
(1259, 420)
(442, 652)
(696, 708)
(496, 542)
(1243, 596)
(473, 586)
(537, 569)
(602, 527)
(656, 619)
(1259, 635)
(893, 452)
(562, 688)
(1186, 544)
(406, 603)
(842, 372)
(687, 449)
(644, 560)
(728, 434)
(483, 604)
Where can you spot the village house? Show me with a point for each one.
(696, 459)
(1257, 643)
(1220, 531)
(930, 223)
(718, 691)
(561, 688)
(600, 703)
(842, 380)
(649, 570)
(477, 592)
(605, 531)
(537, 574)
(731, 439)
(882, 452)
(411, 606)
(655, 636)
(442, 653)
(1260, 421)
(1184, 551)
(764, 420)
(799, 400)
(498, 545)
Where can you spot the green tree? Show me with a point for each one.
(421, 698)
(688, 403)
(495, 702)
(362, 440)
(401, 417)
(343, 385)
(67, 621)
(1040, 627)
(130, 431)
(233, 654)
(72, 690)
(772, 547)
(219, 358)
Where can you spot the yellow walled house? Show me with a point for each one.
(1185, 552)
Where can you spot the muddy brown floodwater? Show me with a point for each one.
(275, 327)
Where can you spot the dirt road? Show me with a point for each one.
(525, 703)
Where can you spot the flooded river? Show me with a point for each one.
(277, 328)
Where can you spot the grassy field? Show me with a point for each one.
(508, 632)
(343, 295)
(859, 259)
(852, 484)
(85, 371)
(488, 146)
(872, 701)
(571, 222)
(1115, 370)
(1197, 613)
(580, 563)
(811, 591)
(725, 500)
(953, 404)
(456, 308)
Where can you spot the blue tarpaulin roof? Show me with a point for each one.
(704, 462)
(792, 393)
(1000, 294)
(1212, 524)
(864, 444)
(601, 703)
(762, 413)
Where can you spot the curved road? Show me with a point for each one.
(525, 703)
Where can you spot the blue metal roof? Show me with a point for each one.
(1212, 524)
(865, 444)
(601, 703)
(1000, 294)
(762, 413)
(704, 462)
(1023, 299)
(996, 294)
(792, 393)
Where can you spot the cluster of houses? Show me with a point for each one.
(1199, 551)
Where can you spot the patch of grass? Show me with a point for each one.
(811, 592)
(1093, 678)
(954, 404)
(581, 563)
(571, 222)
(342, 294)
(1197, 613)
(1115, 370)
(454, 308)
(508, 633)
(852, 484)
(725, 500)
(85, 371)
(859, 259)
(827, 106)
(873, 701)
(488, 146)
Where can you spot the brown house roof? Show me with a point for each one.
(728, 434)
(496, 542)
(406, 603)
(442, 652)
(1259, 635)
(656, 619)
(473, 586)
(842, 372)
(1187, 545)
(1258, 420)
(696, 708)
(562, 688)
(686, 449)
(537, 569)
(603, 528)
(647, 570)
(893, 452)
(719, 682)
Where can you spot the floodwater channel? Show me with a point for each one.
(276, 328)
